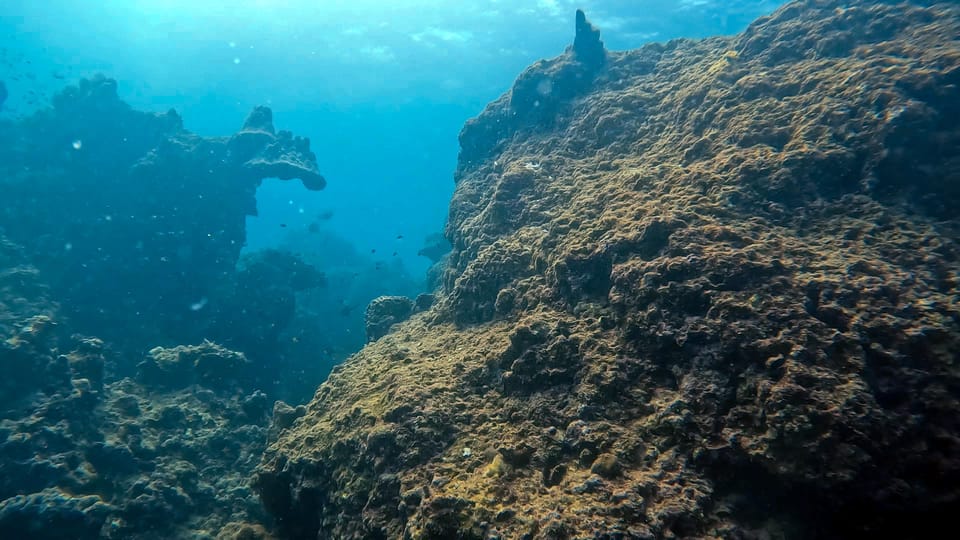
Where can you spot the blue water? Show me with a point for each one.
(381, 88)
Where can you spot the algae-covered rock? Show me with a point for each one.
(207, 364)
(244, 531)
(705, 290)
(53, 514)
(85, 455)
(386, 311)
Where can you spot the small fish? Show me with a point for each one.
(399, 237)
(284, 225)
(325, 215)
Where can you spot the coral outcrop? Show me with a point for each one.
(708, 289)
(86, 454)
(385, 311)
(83, 455)
(135, 223)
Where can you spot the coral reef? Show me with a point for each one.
(87, 454)
(167, 456)
(704, 289)
(135, 227)
(207, 364)
(385, 311)
(22, 292)
(134, 222)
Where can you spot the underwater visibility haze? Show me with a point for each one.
(482, 269)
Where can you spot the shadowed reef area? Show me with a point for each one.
(702, 289)
(122, 225)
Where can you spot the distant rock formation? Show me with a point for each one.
(255, 305)
(264, 153)
(136, 223)
(709, 290)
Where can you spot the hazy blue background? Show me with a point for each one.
(381, 87)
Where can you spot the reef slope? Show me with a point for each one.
(698, 289)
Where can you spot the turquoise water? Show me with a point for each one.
(381, 88)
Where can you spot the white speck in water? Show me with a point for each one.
(197, 306)
(232, 44)
(236, 60)
(300, 210)
(68, 246)
(290, 201)
(108, 218)
(77, 144)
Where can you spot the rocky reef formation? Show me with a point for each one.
(135, 223)
(123, 225)
(703, 289)
(384, 312)
(85, 455)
